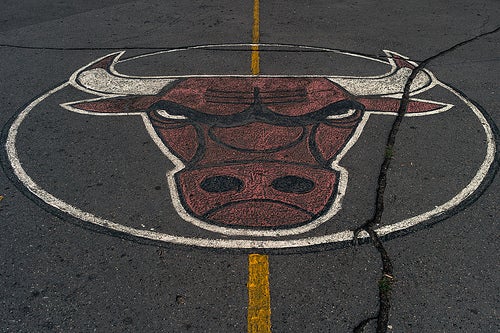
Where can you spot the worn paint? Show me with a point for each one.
(258, 134)
(235, 242)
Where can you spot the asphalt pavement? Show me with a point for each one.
(137, 136)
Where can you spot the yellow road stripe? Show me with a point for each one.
(259, 298)
(255, 39)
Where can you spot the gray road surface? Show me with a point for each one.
(59, 274)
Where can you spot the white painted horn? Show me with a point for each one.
(100, 78)
(390, 84)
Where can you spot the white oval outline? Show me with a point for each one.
(346, 235)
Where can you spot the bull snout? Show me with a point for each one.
(267, 194)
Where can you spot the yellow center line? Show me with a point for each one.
(259, 298)
(255, 39)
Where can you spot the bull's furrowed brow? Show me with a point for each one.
(256, 112)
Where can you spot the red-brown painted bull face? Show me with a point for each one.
(256, 150)
(251, 152)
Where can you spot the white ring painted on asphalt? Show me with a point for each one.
(346, 235)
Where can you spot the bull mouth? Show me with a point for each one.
(259, 213)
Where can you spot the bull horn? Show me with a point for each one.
(391, 84)
(100, 78)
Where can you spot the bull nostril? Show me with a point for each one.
(293, 184)
(218, 184)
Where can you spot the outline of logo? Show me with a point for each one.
(131, 85)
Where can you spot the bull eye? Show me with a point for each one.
(293, 184)
(219, 184)
(165, 114)
(349, 113)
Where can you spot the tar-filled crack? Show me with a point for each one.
(387, 277)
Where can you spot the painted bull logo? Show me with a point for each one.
(253, 153)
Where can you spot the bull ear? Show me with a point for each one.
(416, 107)
(112, 106)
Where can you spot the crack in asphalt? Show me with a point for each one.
(387, 277)
(313, 49)
(233, 48)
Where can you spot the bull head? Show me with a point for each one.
(253, 153)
